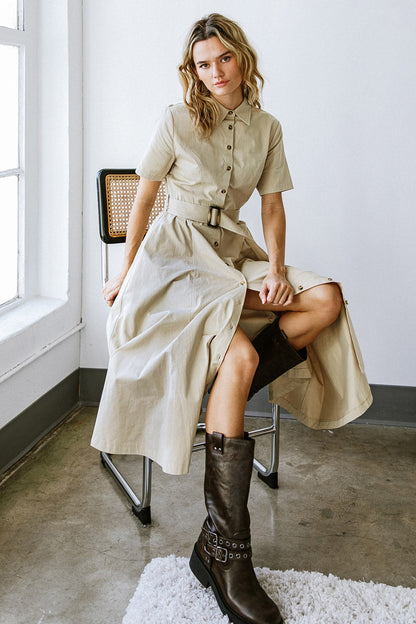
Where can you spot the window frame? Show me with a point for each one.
(18, 37)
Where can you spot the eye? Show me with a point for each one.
(225, 59)
(203, 66)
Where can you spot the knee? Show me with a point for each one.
(328, 301)
(243, 361)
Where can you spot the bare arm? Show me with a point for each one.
(139, 216)
(275, 288)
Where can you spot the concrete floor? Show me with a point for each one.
(71, 551)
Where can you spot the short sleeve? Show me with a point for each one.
(159, 155)
(275, 176)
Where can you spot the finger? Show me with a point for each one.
(263, 293)
(107, 292)
(110, 295)
(110, 299)
(280, 295)
(273, 293)
(289, 297)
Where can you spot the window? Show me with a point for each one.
(12, 53)
(9, 13)
(41, 193)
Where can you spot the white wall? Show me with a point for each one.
(340, 77)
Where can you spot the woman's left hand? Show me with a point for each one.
(276, 290)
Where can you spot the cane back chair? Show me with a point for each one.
(116, 190)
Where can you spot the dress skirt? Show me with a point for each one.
(170, 327)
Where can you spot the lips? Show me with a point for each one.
(222, 83)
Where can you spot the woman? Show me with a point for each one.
(199, 304)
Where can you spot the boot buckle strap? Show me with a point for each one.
(223, 549)
(221, 554)
(212, 538)
(218, 552)
(218, 443)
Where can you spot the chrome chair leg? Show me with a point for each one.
(270, 475)
(140, 508)
(104, 263)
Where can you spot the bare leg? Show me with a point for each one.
(305, 318)
(228, 468)
(228, 398)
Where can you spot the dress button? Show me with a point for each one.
(216, 244)
(300, 287)
(230, 127)
(230, 112)
(223, 191)
(229, 147)
(228, 168)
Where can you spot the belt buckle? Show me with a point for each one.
(212, 538)
(214, 216)
(221, 554)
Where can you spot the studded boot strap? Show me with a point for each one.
(223, 549)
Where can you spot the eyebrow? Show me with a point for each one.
(218, 57)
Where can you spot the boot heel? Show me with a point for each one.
(199, 569)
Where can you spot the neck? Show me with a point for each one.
(231, 101)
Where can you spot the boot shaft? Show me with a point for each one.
(228, 468)
(222, 554)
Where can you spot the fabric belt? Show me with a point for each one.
(214, 216)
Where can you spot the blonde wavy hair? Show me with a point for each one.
(203, 108)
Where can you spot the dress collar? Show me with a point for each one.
(243, 112)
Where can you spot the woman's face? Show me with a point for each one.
(217, 68)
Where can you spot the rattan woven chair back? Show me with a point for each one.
(117, 190)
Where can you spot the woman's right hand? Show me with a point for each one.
(112, 288)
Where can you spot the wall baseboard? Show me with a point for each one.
(393, 406)
(21, 434)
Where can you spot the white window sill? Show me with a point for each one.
(22, 316)
(29, 330)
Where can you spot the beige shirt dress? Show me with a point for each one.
(182, 299)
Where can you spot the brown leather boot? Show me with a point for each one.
(276, 356)
(222, 555)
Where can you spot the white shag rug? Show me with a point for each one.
(168, 593)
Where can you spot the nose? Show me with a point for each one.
(216, 70)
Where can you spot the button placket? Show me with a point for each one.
(229, 120)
